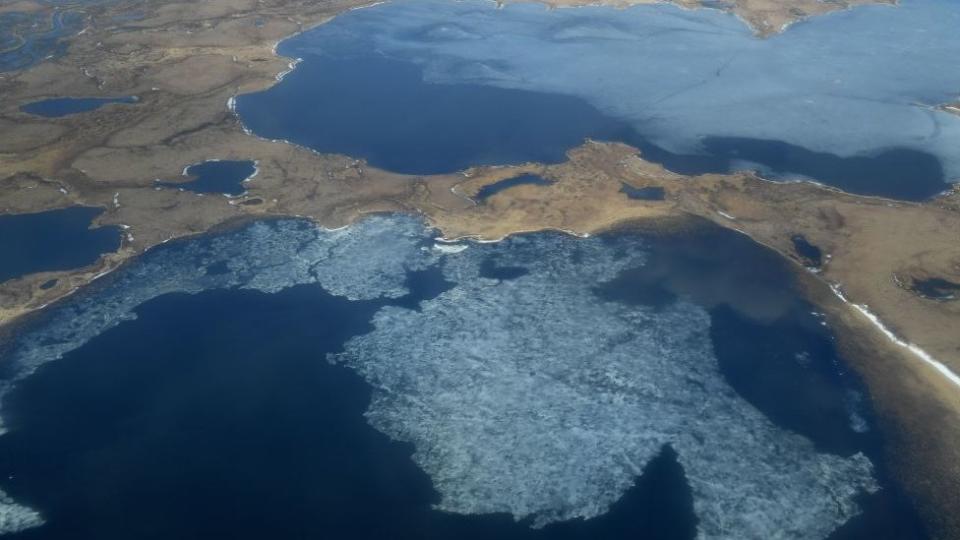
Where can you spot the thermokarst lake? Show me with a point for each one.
(226, 177)
(280, 379)
(53, 240)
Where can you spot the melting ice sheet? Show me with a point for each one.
(862, 82)
(532, 395)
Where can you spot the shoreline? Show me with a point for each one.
(96, 157)
(803, 283)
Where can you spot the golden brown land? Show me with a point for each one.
(766, 17)
(185, 60)
(24, 6)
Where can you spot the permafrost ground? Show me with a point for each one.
(531, 396)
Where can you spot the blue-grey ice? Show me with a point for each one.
(365, 261)
(532, 396)
(853, 82)
(15, 517)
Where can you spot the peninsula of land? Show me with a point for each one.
(766, 17)
(185, 61)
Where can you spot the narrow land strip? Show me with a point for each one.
(186, 60)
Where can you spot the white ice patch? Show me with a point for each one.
(533, 396)
(15, 517)
(365, 261)
(914, 349)
(449, 249)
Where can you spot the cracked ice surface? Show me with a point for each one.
(15, 518)
(851, 82)
(365, 261)
(533, 396)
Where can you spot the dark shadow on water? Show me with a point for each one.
(791, 370)
(770, 347)
(897, 173)
(53, 240)
(216, 416)
(773, 348)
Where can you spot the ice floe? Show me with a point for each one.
(365, 261)
(532, 396)
(535, 397)
(15, 517)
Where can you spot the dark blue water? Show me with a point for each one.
(812, 255)
(57, 107)
(380, 110)
(775, 351)
(492, 189)
(344, 105)
(215, 415)
(28, 38)
(649, 193)
(936, 288)
(53, 240)
(216, 177)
